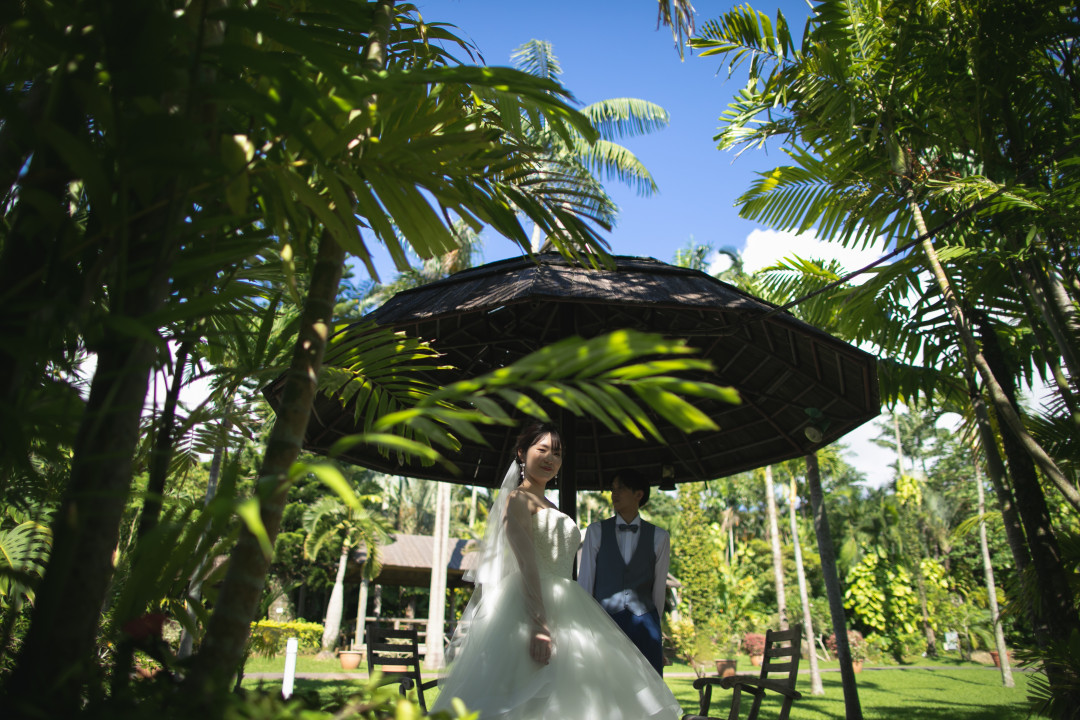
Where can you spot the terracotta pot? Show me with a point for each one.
(350, 659)
(856, 665)
(997, 658)
(756, 660)
(724, 668)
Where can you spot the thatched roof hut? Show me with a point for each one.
(406, 560)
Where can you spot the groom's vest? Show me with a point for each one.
(620, 586)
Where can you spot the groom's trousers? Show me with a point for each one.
(644, 631)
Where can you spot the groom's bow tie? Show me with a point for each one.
(630, 528)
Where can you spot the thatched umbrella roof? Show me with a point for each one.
(791, 376)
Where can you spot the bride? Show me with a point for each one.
(531, 643)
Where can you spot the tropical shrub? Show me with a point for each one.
(268, 638)
(684, 637)
(695, 558)
(881, 597)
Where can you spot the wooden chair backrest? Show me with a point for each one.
(395, 653)
(783, 651)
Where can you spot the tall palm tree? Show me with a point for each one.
(881, 166)
(868, 107)
(991, 587)
(328, 521)
(816, 688)
(777, 553)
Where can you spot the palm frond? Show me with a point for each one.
(604, 377)
(24, 553)
(679, 16)
(537, 57)
(626, 117)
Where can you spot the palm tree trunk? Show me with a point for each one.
(916, 565)
(436, 626)
(899, 447)
(335, 608)
(1006, 409)
(361, 614)
(1056, 309)
(1056, 616)
(1014, 530)
(777, 555)
(1049, 356)
(816, 687)
(852, 708)
(238, 601)
(161, 455)
(991, 588)
(472, 509)
(67, 608)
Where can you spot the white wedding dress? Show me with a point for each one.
(595, 672)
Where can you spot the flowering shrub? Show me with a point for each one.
(753, 644)
(855, 642)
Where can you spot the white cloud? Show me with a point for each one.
(765, 247)
(874, 461)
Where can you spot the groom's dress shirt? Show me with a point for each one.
(627, 541)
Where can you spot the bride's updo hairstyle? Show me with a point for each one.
(531, 434)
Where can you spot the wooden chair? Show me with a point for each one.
(396, 654)
(778, 659)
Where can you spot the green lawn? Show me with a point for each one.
(955, 691)
(971, 693)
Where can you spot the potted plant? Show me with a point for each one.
(857, 646)
(753, 644)
(350, 659)
(996, 657)
(728, 647)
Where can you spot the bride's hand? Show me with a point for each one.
(540, 646)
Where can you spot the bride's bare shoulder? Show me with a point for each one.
(525, 500)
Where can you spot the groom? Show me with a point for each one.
(624, 565)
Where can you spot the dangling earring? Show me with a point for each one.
(521, 470)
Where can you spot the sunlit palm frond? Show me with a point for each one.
(606, 377)
(537, 57)
(626, 117)
(679, 16)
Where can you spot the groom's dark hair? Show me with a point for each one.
(635, 481)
